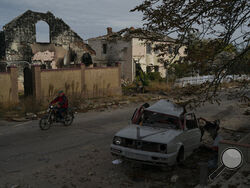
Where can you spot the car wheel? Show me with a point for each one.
(180, 156)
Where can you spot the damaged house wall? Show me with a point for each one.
(129, 46)
(110, 50)
(20, 35)
(116, 51)
(41, 49)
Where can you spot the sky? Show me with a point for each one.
(88, 18)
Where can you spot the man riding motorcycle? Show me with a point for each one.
(62, 104)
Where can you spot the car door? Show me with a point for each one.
(183, 138)
(192, 131)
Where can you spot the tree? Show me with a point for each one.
(202, 52)
(141, 76)
(225, 22)
(87, 59)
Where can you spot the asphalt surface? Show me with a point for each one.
(26, 151)
(23, 146)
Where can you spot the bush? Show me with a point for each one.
(154, 76)
(129, 89)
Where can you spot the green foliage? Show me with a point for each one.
(230, 48)
(201, 50)
(154, 76)
(225, 22)
(86, 59)
(142, 80)
(181, 70)
(128, 89)
(242, 65)
(217, 19)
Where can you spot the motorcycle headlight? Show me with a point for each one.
(163, 148)
(117, 140)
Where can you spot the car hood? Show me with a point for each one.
(150, 134)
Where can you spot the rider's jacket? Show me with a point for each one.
(62, 101)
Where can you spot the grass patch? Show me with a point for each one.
(25, 105)
(156, 86)
(152, 87)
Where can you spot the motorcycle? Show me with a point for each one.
(52, 117)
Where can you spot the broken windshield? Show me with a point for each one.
(154, 119)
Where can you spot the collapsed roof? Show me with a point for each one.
(129, 33)
(167, 107)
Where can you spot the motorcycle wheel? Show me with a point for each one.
(44, 123)
(68, 120)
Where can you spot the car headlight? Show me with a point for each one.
(117, 140)
(163, 148)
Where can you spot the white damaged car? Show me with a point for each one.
(161, 134)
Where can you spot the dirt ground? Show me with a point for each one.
(95, 169)
(91, 164)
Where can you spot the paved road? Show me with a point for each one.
(23, 146)
(25, 149)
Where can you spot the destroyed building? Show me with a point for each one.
(19, 45)
(131, 47)
(19, 39)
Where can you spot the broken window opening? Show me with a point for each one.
(185, 51)
(149, 69)
(148, 48)
(170, 49)
(157, 51)
(156, 68)
(154, 119)
(104, 48)
(42, 32)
